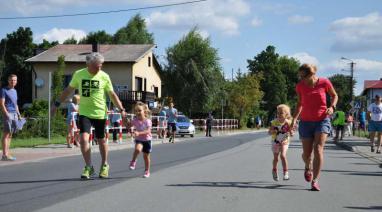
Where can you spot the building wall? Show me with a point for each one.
(371, 94)
(120, 74)
(142, 69)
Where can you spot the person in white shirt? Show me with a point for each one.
(374, 115)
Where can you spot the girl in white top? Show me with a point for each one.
(280, 131)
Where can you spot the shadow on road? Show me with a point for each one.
(365, 208)
(260, 185)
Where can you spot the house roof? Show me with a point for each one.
(369, 84)
(77, 53)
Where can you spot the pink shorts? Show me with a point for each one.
(276, 148)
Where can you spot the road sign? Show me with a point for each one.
(357, 105)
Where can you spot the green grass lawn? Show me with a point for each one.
(32, 142)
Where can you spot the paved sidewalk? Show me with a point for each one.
(26, 155)
(360, 146)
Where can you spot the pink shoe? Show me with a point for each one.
(315, 186)
(132, 165)
(147, 174)
(308, 175)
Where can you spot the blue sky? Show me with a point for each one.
(316, 31)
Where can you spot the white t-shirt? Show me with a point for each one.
(376, 111)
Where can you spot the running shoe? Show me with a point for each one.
(315, 186)
(104, 171)
(275, 175)
(87, 172)
(372, 148)
(286, 176)
(308, 175)
(378, 151)
(132, 165)
(146, 174)
(8, 158)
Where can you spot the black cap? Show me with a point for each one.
(377, 96)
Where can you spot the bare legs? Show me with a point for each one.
(315, 145)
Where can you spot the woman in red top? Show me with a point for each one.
(314, 125)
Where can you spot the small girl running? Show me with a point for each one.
(142, 134)
(280, 131)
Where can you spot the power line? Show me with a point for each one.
(101, 12)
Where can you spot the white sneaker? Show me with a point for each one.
(286, 176)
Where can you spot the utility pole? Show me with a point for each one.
(352, 63)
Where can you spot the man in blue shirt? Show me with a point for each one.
(172, 114)
(10, 111)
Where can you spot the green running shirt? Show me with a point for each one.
(93, 90)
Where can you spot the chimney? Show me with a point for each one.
(95, 47)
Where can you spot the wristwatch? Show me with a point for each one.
(334, 107)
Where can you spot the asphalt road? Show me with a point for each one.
(231, 173)
(31, 186)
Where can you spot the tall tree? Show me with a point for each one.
(100, 37)
(341, 84)
(273, 83)
(193, 74)
(135, 32)
(58, 77)
(71, 40)
(289, 68)
(244, 95)
(46, 44)
(18, 46)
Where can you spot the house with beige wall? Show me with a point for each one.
(133, 69)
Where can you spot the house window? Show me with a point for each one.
(149, 62)
(138, 84)
(67, 79)
(156, 91)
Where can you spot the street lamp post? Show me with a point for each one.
(352, 63)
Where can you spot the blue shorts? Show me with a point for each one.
(375, 126)
(307, 129)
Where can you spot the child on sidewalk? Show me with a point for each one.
(280, 131)
(142, 134)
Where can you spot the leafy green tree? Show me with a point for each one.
(71, 40)
(135, 32)
(46, 44)
(101, 37)
(341, 84)
(193, 74)
(289, 68)
(244, 96)
(273, 83)
(17, 47)
(58, 77)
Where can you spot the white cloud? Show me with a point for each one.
(212, 15)
(28, 7)
(304, 57)
(358, 33)
(276, 8)
(364, 69)
(256, 22)
(60, 35)
(300, 19)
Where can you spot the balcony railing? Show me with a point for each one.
(134, 96)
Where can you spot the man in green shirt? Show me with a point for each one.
(339, 122)
(93, 85)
